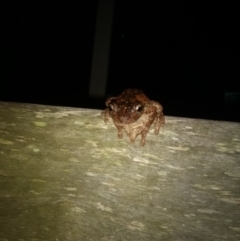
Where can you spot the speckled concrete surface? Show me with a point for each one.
(64, 175)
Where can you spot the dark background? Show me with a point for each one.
(185, 55)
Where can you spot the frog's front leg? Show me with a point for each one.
(120, 131)
(143, 138)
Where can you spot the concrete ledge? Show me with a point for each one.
(64, 175)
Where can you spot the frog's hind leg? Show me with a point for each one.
(160, 121)
(105, 115)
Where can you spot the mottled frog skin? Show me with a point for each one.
(134, 112)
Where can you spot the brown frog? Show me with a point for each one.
(133, 112)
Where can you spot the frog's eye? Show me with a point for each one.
(139, 108)
(112, 107)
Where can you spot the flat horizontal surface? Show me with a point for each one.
(64, 175)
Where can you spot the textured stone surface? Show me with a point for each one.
(64, 175)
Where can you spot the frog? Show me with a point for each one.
(133, 112)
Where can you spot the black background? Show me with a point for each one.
(185, 55)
